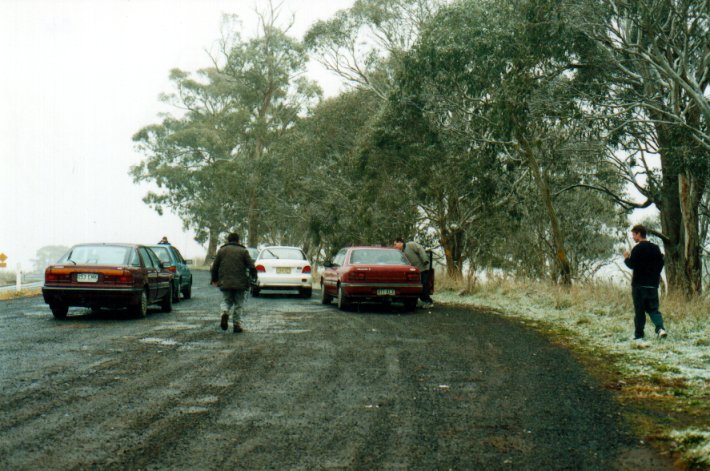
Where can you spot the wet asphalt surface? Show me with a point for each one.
(305, 387)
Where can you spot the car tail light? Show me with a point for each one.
(171, 268)
(413, 277)
(54, 275)
(306, 269)
(356, 276)
(260, 268)
(119, 277)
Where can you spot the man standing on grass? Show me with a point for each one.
(646, 260)
(229, 273)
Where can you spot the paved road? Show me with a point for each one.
(305, 387)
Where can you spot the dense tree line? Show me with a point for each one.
(507, 133)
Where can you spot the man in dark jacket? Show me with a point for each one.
(229, 273)
(646, 260)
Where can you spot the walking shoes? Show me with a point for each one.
(224, 323)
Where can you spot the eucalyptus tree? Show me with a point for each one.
(187, 156)
(337, 199)
(213, 160)
(504, 76)
(364, 43)
(657, 53)
(265, 78)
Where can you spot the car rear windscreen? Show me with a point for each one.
(281, 253)
(378, 257)
(98, 255)
(162, 253)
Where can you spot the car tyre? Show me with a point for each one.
(176, 292)
(325, 298)
(167, 303)
(187, 291)
(306, 292)
(343, 302)
(410, 305)
(255, 291)
(59, 311)
(141, 309)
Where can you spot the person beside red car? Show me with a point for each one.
(417, 256)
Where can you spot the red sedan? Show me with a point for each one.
(107, 275)
(370, 274)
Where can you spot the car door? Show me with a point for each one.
(164, 278)
(152, 272)
(330, 273)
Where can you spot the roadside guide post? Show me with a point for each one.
(18, 278)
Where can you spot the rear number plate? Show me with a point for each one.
(283, 271)
(87, 277)
(385, 292)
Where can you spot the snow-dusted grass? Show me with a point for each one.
(596, 320)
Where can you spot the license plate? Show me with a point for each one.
(385, 292)
(283, 271)
(87, 277)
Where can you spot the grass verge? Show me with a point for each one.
(12, 294)
(662, 385)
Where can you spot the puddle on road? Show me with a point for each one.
(37, 313)
(176, 326)
(159, 341)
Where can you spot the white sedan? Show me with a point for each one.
(282, 268)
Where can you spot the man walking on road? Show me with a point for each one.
(229, 273)
(417, 256)
(646, 260)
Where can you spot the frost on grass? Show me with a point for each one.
(694, 444)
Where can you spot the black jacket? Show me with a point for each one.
(230, 267)
(646, 260)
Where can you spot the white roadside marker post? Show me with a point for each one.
(18, 278)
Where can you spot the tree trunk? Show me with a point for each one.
(212, 245)
(452, 242)
(691, 193)
(563, 266)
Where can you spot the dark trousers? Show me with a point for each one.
(426, 291)
(645, 301)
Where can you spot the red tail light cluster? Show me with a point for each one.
(53, 275)
(260, 268)
(356, 276)
(413, 277)
(119, 277)
(306, 269)
(171, 268)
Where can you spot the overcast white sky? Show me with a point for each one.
(79, 78)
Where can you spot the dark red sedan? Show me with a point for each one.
(107, 275)
(370, 274)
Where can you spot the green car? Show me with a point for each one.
(174, 262)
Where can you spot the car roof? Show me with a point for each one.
(378, 247)
(113, 244)
(280, 247)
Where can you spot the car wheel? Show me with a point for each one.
(255, 291)
(343, 302)
(167, 303)
(176, 292)
(410, 305)
(306, 292)
(325, 298)
(141, 309)
(187, 291)
(59, 311)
